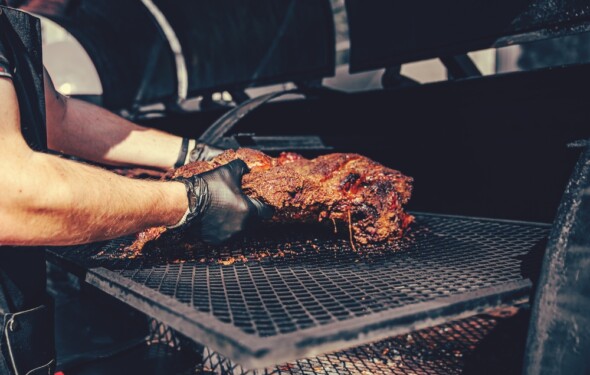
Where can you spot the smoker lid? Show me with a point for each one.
(156, 51)
(125, 43)
(385, 33)
(233, 45)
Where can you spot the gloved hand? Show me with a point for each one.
(218, 209)
(203, 152)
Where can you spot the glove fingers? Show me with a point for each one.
(261, 211)
(237, 169)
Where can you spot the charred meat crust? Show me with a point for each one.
(334, 188)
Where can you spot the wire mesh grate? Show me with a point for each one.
(293, 279)
(452, 348)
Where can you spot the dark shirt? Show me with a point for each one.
(22, 269)
(5, 68)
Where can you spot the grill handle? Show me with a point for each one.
(225, 123)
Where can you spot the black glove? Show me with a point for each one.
(218, 208)
(204, 152)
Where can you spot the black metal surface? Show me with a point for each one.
(385, 33)
(302, 292)
(559, 334)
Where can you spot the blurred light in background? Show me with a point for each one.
(65, 88)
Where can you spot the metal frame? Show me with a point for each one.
(254, 352)
(444, 349)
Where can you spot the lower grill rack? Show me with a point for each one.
(292, 292)
(486, 343)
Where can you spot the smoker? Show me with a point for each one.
(500, 163)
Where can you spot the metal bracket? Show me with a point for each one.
(392, 78)
(239, 96)
(310, 84)
(460, 66)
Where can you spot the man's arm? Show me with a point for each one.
(81, 129)
(47, 200)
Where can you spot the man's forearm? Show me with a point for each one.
(51, 201)
(93, 133)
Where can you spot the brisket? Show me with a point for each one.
(343, 190)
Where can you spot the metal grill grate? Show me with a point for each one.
(447, 349)
(292, 291)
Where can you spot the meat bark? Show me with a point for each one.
(347, 190)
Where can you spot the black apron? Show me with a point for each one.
(26, 313)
